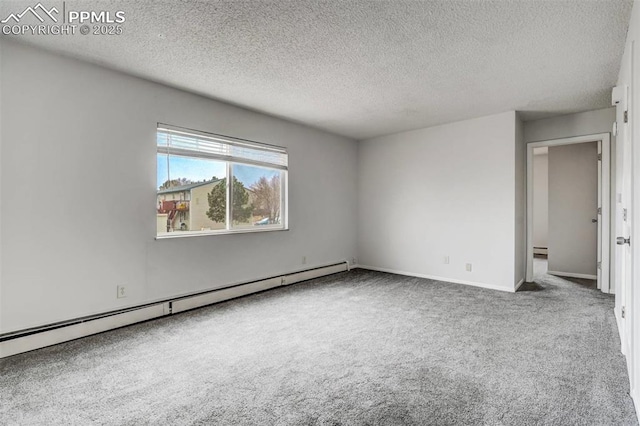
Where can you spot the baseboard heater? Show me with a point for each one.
(36, 338)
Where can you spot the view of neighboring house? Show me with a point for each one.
(184, 208)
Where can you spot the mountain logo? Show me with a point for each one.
(38, 11)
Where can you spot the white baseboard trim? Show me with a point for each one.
(618, 315)
(519, 284)
(30, 340)
(433, 277)
(572, 275)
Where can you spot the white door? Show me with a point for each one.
(623, 220)
(598, 219)
(625, 229)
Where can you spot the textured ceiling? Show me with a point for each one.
(366, 68)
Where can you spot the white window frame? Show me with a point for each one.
(279, 162)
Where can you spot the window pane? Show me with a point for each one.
(257, 196)
(191, 194)
(208, 183)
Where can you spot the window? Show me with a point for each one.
(211, 184)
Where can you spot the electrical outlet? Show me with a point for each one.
(354, 261)
(468, 267)
(122, 292)
(446, 260)
(304, 260)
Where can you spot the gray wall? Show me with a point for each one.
(520, 203)
(441, 191)
(78, 177)
(573, 202)
(541, 199)
(565, 126)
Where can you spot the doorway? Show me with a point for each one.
(577, 236)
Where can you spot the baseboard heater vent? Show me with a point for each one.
(212, 297)
(28, 340)
(313, 273)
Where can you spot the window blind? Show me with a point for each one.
(189, 143)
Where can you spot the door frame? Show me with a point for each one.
(604, 200)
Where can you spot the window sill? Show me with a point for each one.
(186, 234)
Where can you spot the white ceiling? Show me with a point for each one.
(366, 68)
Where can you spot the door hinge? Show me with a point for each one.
(624, 214)
(599, 157)
(622, 312)
(599, 265)
(626, 116)
(599, 210)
